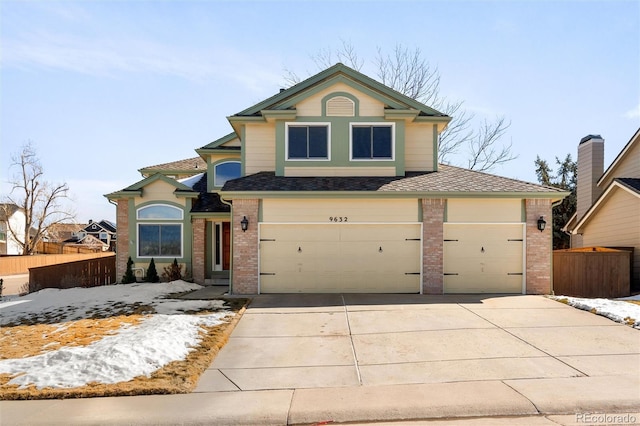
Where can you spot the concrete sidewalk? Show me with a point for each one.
(372, 358)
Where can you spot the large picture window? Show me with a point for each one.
(307, 141)
(372, 142)
(226, 171)
(159, 240)
(161, 236)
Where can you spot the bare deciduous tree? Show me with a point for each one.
(407, 72)
(42, 202)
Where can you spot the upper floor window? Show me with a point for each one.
(307, 141)
(372, 141)
(226, 171)
(159, 211)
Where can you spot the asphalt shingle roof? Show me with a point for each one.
(631, 183)
(208, 202)
(195, 164)
(446, 179)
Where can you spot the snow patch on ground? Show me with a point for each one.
(166, 336)
(55, 305)
(617, 310)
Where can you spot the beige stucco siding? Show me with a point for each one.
(159, 191)
(312, 106)
(616, 224)
(233, 142)
(419, 147)
(260, 148)
(629, 167)
(493, 210)
(346, 211)
(217, 157)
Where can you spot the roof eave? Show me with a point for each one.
(554, 196)
(634, 139)
(601, 200)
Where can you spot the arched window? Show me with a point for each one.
(160, 211)
(160, 231)
(226, 171)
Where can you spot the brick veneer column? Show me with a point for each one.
(538, 247)
(432, 246)
(198, 261)
(245, 247)
(122, 241)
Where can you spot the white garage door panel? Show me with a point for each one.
(484, 258)
(340, 258)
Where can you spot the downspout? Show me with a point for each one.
(231, 247)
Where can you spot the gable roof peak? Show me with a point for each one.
(332, 72)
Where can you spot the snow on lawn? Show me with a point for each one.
(617, 309)
(166, 336)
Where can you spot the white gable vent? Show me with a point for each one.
(340, 106)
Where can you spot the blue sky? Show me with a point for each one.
(105, 88)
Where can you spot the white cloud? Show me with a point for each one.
(108, 57)
(633, 113)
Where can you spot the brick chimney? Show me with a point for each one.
(590, 169)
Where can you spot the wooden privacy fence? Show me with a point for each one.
(592, 272)
(46, 247)
(11, 265)
(81, 273)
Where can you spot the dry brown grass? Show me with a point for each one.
(30, 340)
(175, 377)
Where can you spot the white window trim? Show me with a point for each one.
(367, 124)
(158, 256)
(303, 124)
(159, 205)
(215, 183)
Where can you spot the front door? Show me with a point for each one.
(226, 245)
(221, 246)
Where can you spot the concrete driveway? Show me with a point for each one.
(468, 360)
(518, 354)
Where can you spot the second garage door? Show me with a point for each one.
(483, 258)
(340, 258)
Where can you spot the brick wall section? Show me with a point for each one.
(432, 246)
(122, 243)
(538, 247)
(198, 262)
(245, 247)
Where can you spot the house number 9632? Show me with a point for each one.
(337, 218)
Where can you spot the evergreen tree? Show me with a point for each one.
(152, 273)
(172, 272)
(565, 179)
(128, 276)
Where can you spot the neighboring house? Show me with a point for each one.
(333, 185)
(95, 234)
(59, 232)
(181, 169)
(13, 218)
(608, 202)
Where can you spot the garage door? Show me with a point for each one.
(483, 258)
(340, 258)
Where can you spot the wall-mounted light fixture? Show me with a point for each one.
(244, 224)
(541, 224)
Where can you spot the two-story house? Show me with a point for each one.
(12, 225)
(608, 201)
(333, 185)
